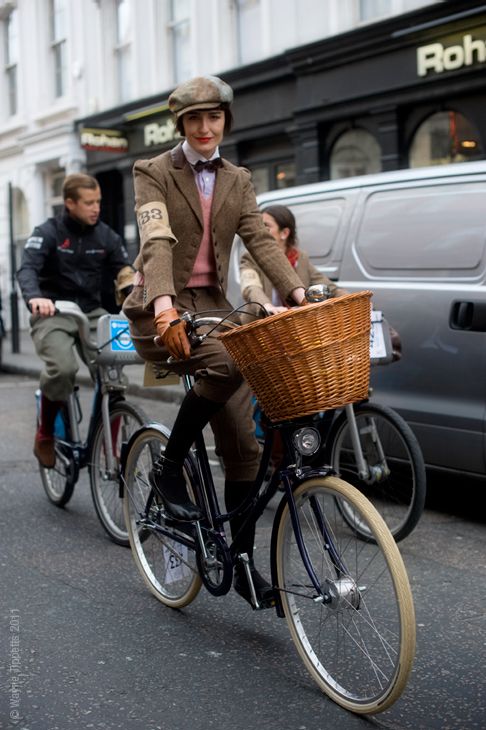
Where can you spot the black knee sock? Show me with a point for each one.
(243, 534)
(195, 412)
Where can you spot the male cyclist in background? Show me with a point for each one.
(66, 258)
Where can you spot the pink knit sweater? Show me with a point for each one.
(204, 271)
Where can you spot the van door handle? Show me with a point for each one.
(469, 316)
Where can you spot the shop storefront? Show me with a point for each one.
(405, 92)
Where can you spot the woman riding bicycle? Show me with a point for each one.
(257, 288)
(190, 203)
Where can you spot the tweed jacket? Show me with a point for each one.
(257, 287)
(170, 222)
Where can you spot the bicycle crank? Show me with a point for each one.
(214, 562)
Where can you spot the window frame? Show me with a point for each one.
(11, 61)
(58, 46)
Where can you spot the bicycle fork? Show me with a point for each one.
(341, 590)
(369, 473)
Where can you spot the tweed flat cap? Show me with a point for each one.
(202, 92)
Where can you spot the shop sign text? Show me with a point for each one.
(437, 58)
(159, 134)
(103, 140)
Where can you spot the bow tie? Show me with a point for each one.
(210, 165)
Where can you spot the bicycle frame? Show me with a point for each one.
(107, 375)
(100, 404)
(200, 475)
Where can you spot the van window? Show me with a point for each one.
(318, 224)
(433, 228)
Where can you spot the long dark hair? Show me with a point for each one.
(284, 218)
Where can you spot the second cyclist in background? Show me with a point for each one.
(66, 258)
(257, 288)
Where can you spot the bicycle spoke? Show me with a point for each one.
(357, 638)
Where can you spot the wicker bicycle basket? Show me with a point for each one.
(308, 359)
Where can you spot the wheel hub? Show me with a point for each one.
(342, 593)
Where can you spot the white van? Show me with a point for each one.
(417, 239)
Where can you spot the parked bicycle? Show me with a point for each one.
(112, 421)
(347, 602)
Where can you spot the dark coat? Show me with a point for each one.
(63, 259)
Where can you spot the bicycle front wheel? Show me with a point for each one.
(356, 634)
(125, 419)
(60, 480)
(167, 564)
(395, 482)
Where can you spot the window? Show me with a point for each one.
(443, 138)
(356, 152)
(318, 225)
(272, 176)
(428, 229)
(260, 178)
(123, 49)
(58, 45)
(248, 25)
(181, 36)
(11, 59)
(54, 180)
(285, 175)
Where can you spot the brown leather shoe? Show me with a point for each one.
(44, 451)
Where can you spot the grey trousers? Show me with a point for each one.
(55, 339)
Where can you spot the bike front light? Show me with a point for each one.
(306, 441)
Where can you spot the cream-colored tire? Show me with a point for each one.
(167, 565)
(353, 621)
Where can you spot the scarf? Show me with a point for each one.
(293, 256)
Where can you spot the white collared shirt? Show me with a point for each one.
(205, 179)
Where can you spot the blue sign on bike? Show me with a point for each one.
(120, 336)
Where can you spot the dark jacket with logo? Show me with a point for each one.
(64, 259)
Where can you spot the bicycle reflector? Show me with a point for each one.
(306, 440)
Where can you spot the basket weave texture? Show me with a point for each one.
(308, 359)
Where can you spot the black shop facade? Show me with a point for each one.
(405, 92)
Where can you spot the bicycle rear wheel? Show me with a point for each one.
(396, 483)
(125, 419)
(60, 480)
(167, 565)
(358, 642)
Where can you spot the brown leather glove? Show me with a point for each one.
(172, 331)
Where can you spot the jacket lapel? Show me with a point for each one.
(184, 180)
(225, 179)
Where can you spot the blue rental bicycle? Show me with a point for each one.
(112, 421)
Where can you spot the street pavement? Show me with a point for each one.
(97, 651)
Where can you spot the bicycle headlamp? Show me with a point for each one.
(306, 440)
